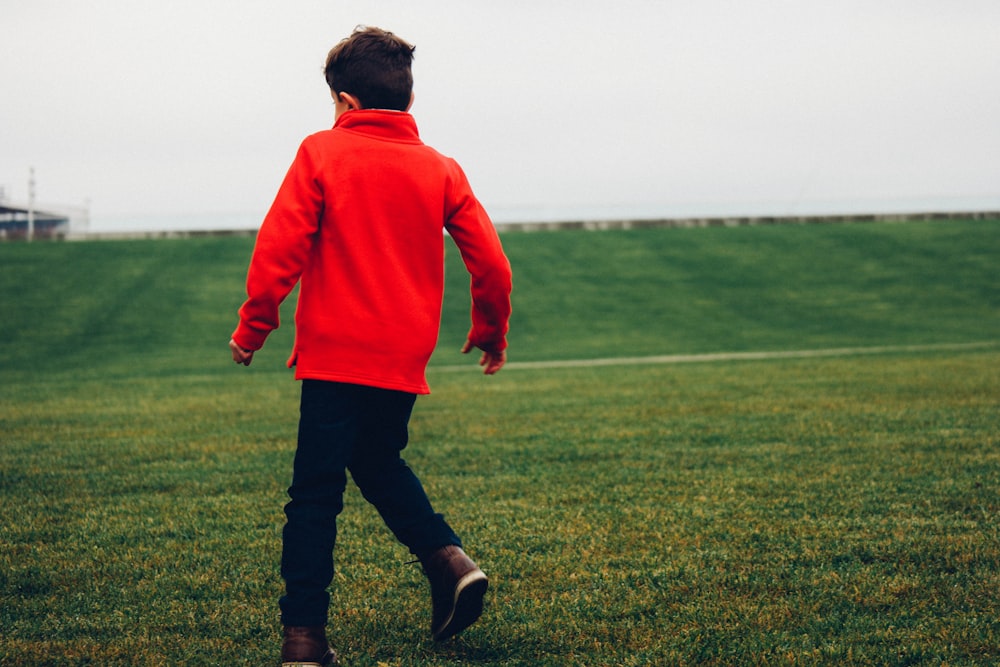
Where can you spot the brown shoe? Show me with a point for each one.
(306, 647)
(457, 590)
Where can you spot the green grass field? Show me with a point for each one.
(789, 511)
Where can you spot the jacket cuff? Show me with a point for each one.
(248, 338)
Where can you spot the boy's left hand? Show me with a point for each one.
(490, 361)
(240, 355)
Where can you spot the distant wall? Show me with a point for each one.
(596, 225)
(743, 221)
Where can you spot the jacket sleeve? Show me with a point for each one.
(282, 249)
(489, 269)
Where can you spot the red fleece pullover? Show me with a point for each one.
(359, 219)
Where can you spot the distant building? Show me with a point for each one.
(14, 223)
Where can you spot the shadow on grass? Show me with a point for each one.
(401, 641)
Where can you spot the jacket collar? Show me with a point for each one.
(381, 124)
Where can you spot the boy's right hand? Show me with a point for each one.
(240, 355)
(490, 361)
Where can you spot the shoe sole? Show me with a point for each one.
(329, 660)
(467, 606)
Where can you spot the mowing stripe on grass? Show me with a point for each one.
(731, 356)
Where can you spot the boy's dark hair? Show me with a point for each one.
(373, 65)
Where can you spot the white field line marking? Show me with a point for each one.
(726, 356)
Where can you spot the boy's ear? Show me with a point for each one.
(346, 98)
(411, 101)
(352, 101)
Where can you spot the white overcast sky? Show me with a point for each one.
(167, 109)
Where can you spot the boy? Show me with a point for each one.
(358, 221)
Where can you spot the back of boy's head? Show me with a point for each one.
(374, 66)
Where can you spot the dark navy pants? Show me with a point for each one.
(361, 429)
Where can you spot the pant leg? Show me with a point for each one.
(328, 429)
(388, 483)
